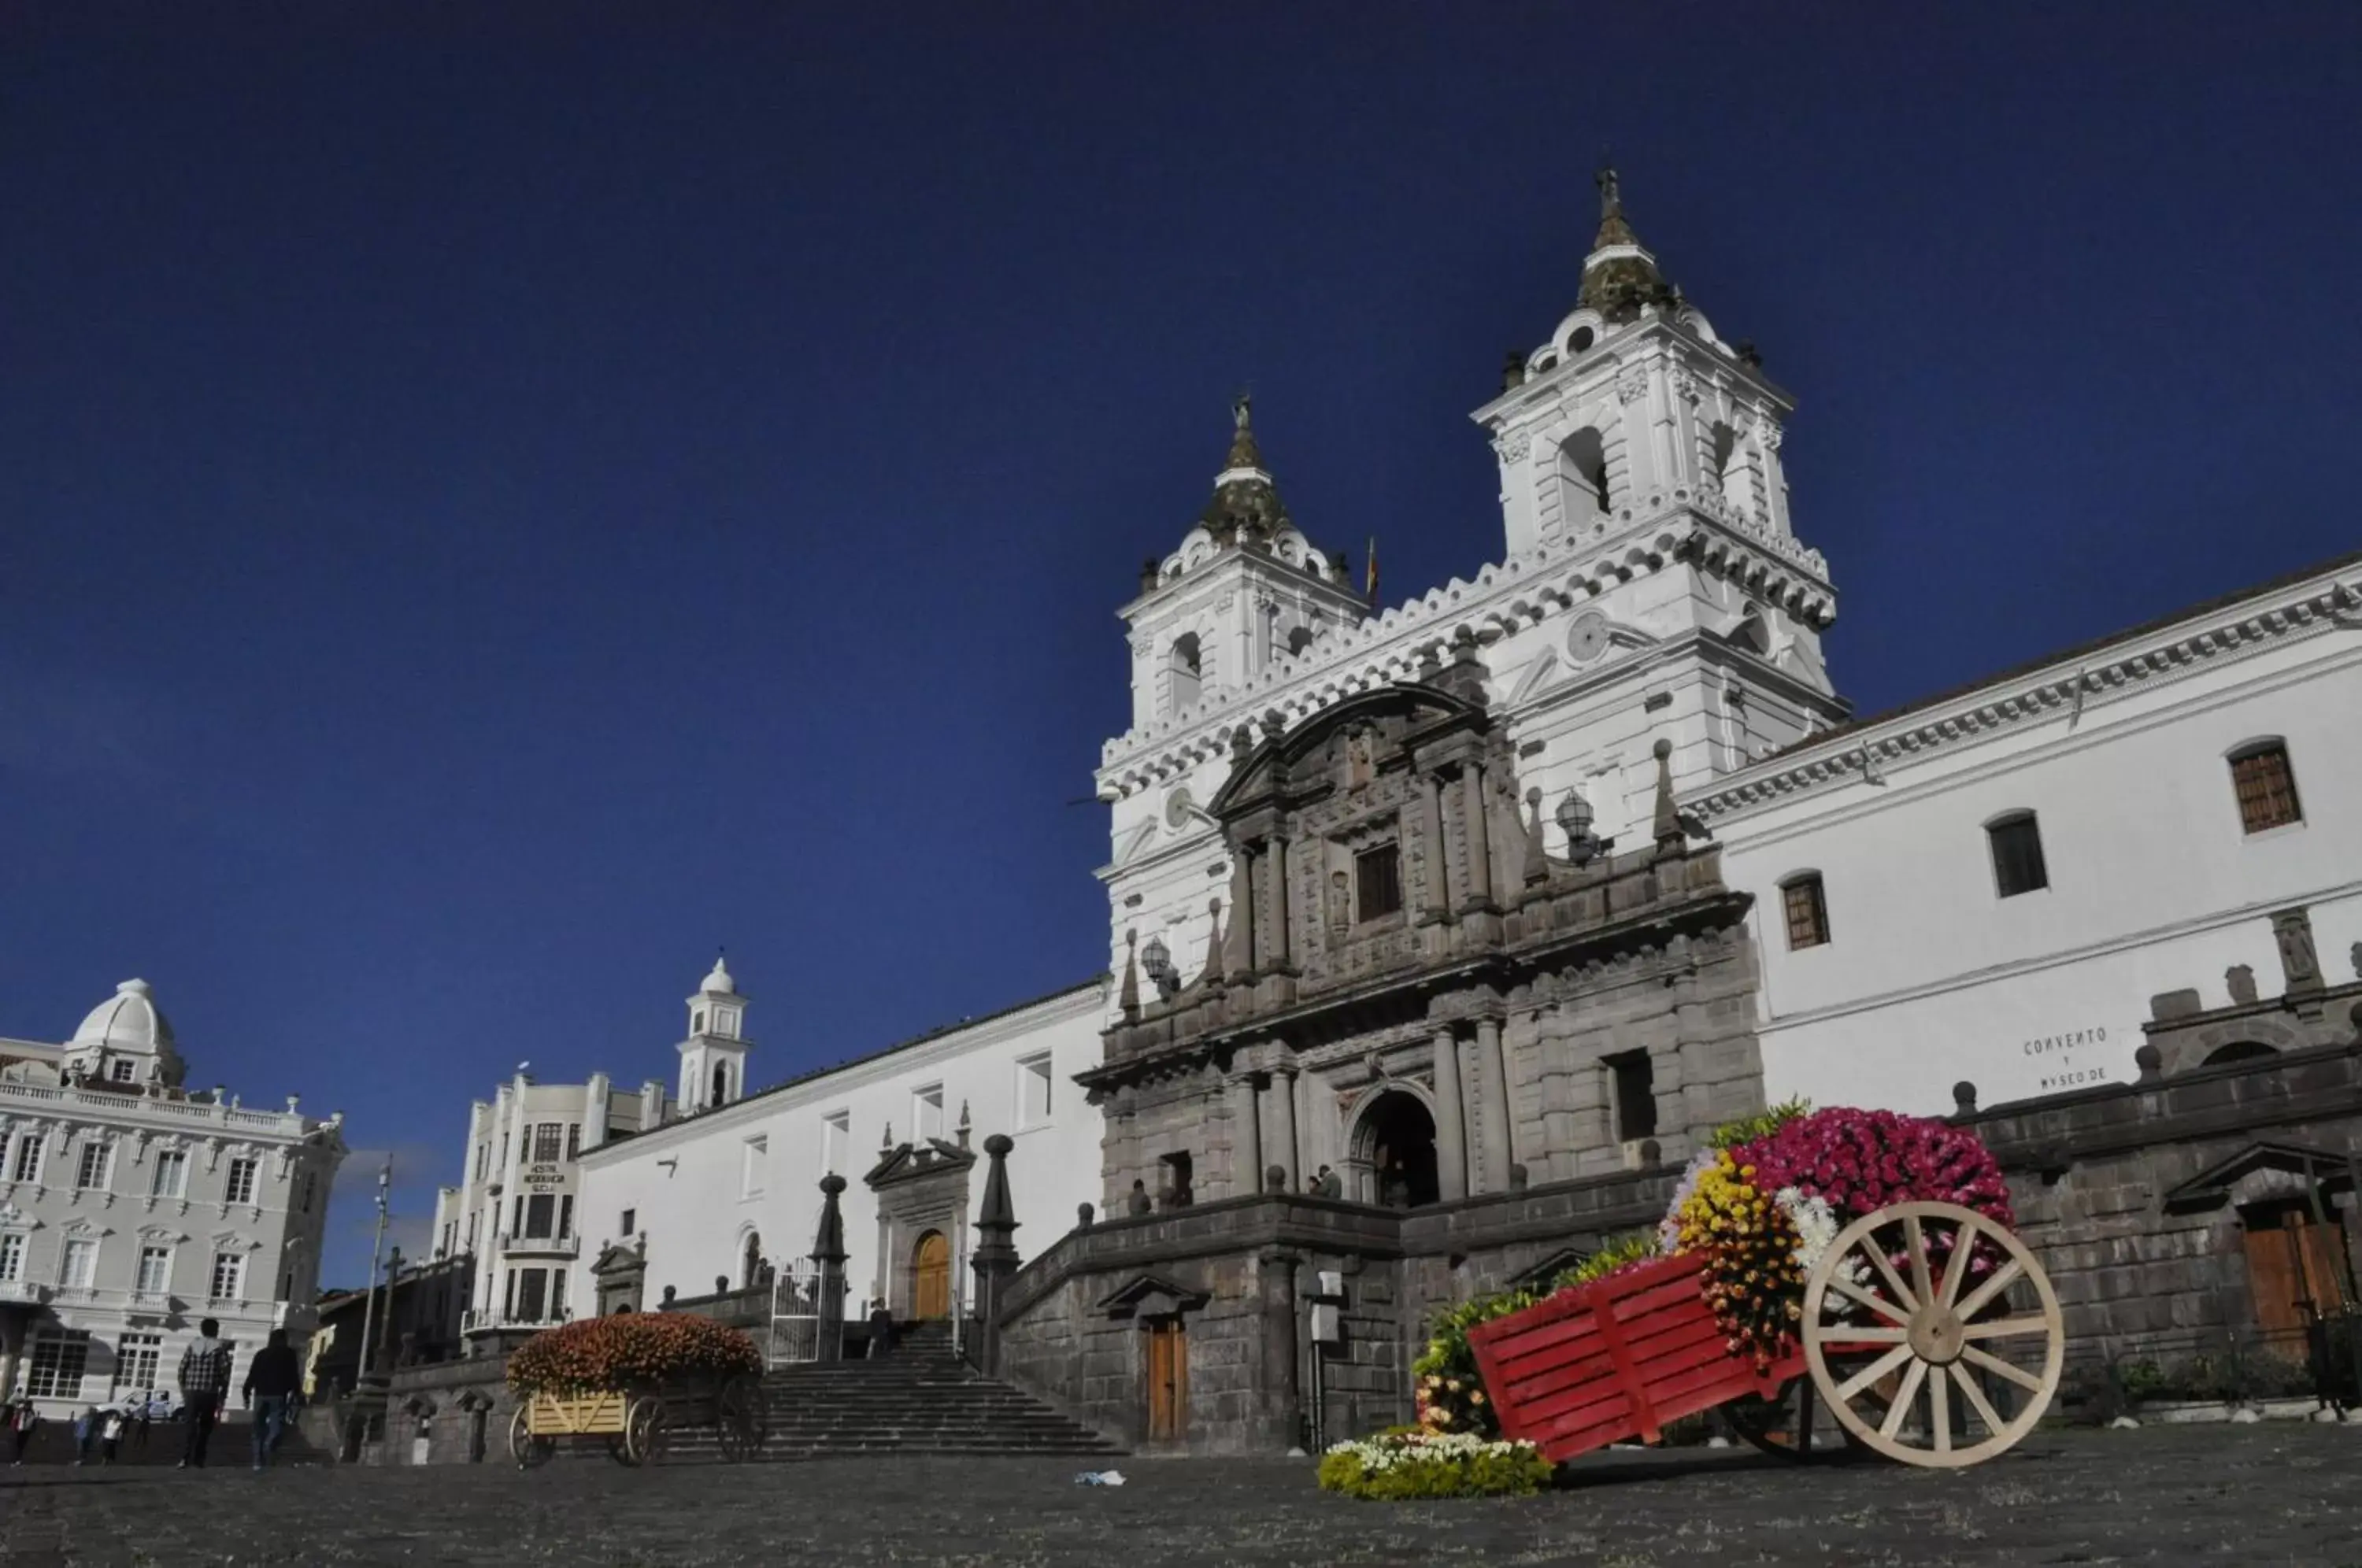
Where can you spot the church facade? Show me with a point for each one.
(1439, 937)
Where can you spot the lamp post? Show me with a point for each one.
(385, 1326)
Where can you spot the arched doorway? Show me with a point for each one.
(931, 1283)
(750, 1264)
(1395, 1144)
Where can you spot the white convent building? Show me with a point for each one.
(132, 1208)
(1997, 885)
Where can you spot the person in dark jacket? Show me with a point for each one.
(881, 1329)
(272, 1379)
(23, 1421)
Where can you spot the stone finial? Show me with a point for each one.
(996, 1219)
(1213, 974)
(828, 1242)
(1275, 1179)
(885, 1140)
(1241, 743)
(1519, 1177)
(2354, 956)
(2241, 979)
(1513, 370)
(1129, 1000)
(1668, 824)
(1652, 1154)
(1084, 1214)
(1537, 858)
(1149, 571)
(721, 1284)
(2151, 1063)
(964, 1125)
(1964, 1098)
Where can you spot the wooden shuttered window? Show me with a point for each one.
(2266, 787)
(1807, 912)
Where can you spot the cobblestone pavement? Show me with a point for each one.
(2244, 1495)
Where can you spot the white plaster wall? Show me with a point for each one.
(695, 1215)
(1931, 978)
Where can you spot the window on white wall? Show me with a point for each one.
(90, 1174)
(12, 1256)
(836, 1137)
(78, 1267)
(54, 1369)
(1034, 1086)
(172, 1176)
(137, 1357)
(26, 1167)
(155, 1273)
(758, 1155)
(927, 1112)
(241, 1181)
(229, 1283)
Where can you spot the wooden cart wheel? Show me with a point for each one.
(644, 1430)
(1782, 1425)
(1877, 1341)
(524, 1447)
(739, 1418)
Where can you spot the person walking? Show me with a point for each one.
(85, 1429)
(881, 1329)
(110, 1434)
(272, 1379)
(140, 1424)
(23, 1421)
(204, 1383)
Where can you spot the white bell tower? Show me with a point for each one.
(713, 1057)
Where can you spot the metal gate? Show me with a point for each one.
(795, 1314)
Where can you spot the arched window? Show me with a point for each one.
(2015, 840)
(1580, 339)
(1582, 479)
(1185, 665)
(2264, 785)
(750, 1266)
(2238, 1051)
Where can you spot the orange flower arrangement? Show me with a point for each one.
(630, 1349)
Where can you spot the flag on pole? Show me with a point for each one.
(1370, 575)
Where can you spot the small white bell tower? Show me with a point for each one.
(713, 1057)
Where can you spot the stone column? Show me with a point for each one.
(1240, 960)
(1282, 1125)
(1436, 897)
(1274, 910)
(1246, 1137)
(1451, 1120)
(1473, 812)
(1282, 1411)
(828, 1251)
(996, 1250)
(1492, 1102)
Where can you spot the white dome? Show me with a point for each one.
(127, 1021)
(718, 982)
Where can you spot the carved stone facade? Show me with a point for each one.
(1410, 993)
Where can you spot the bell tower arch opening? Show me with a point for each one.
(1394, 1152)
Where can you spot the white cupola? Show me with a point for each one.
(713, 1056)
(126, 1040)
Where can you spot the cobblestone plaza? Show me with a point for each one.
(2250, 1495)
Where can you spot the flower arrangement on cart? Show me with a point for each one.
(631, 1380)
(1857, 1260)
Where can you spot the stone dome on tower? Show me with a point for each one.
(717, 981)
(1620, 276)
(127, 1021)
(1246, 508)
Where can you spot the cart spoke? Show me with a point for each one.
(1915, 1242)
(1940, 1405)
(1872, 1373)
(2009, 1273)
(1977, 1402)
(2000, 1368)
(1872, 1334)
(1956, 1268)
(2006, 1328)
(1870, 1300)
(1896, 1413)
(1869, 1248)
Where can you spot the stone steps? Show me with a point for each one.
(922, 1399)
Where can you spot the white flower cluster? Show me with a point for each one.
(1381, 1454)
(1817, 1226)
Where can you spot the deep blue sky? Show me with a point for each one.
(497, 501)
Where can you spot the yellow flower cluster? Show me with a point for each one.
(1751, 1281)
(631, 1350)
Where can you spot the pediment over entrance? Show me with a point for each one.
(2262, 1170)
(1151, 1295)
(1345, 747)
(918, 1161)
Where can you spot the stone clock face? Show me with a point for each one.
(1587, 638)
(1176, 809)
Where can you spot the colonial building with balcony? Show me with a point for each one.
(132, 1208)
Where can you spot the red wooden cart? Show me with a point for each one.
(1618, 1359)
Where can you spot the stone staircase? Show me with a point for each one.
(922, 1399)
